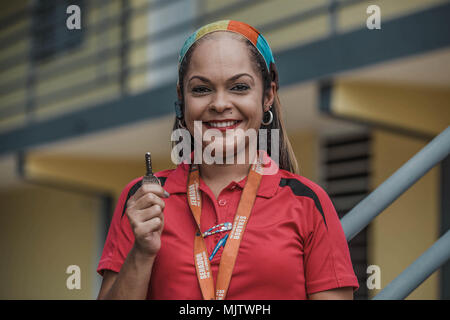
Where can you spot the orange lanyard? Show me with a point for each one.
(229, 254)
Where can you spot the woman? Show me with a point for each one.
(225, 230)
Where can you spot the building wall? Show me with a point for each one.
(43, 231)
(305, 144)
(428, 108)
(270, 11)
(91, 71)
(355, 16)
(19, 71)
(315, 26)
(80, 77)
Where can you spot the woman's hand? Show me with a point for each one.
(145, 213)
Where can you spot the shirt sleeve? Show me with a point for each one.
(120, 237)
(326, 254)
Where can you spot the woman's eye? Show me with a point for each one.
(200, 89)
(240, 87)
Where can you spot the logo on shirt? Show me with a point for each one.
(220, 294)
(202, 265)
(194, 195)
(239, 225)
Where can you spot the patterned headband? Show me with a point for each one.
(242, 28)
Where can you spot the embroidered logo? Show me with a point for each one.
(194, 195)
(239, 225)
(203, 269)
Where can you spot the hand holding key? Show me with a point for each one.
(145, 212)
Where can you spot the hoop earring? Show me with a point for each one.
(268, 112)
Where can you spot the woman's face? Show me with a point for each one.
(223, 90)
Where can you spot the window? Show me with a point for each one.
(50, 35)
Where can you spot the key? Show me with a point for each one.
(149, 177)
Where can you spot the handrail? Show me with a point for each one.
(418, 271)
(98, 27)
(105, 24)
(34, 75)
(370, 207)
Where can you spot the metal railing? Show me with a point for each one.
(39, 74)
(418, 271)
(369, 208)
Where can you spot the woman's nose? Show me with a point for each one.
(220, 102)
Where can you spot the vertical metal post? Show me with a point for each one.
(30, 99)
(332, 14)
(101, 66)
(124, 47)
(445, 225)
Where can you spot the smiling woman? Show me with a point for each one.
(226, 230)
(253, 80)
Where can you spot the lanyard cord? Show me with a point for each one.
(230, 251)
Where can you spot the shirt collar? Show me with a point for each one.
(176, 181)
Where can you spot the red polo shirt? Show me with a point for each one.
(293, 245)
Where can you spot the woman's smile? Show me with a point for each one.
(222, 125)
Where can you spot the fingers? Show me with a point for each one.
(148, 200)
(150, 226)
(150, 187)
(146, 214)
(147, 195)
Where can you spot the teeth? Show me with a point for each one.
(222, 124)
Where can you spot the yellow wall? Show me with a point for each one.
(111, 175)
(43, 231)
(421, 109)
(305, 145)
(408, 227)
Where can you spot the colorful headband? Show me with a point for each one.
(242, 28)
